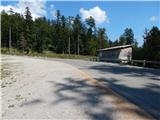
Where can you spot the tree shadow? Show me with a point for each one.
(80, 93)
(148, 98)
(153, 74)
(91, 97)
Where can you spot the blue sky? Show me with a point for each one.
(114, 16)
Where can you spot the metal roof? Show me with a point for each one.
(116, 47)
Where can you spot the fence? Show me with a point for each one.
(144, 63)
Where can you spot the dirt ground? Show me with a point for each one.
(41, 89)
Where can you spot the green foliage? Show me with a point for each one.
(151, 47)
(62, 35)
(68, 35)
(126, 38)
(152, 44)
(102, 38)
(138, 53)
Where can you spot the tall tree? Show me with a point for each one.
(152, 44)
(10, 28)
(127, 37)
(28, 28)
(5, 29)
(70, 29)
(90, 36)
(91, 24)
(102, 38)
(58, 41)
(77, 28)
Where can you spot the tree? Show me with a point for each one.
(84, 46)
(10, 28)
(64, 35)
(22, 42)
(90, 37)
(102, 38)
(70, 35)
(91, 24)
(28, 28)
(77, 28)
(127, 37)
(152, 44)
(110, 43)
(70, 29)
(58, 40)
(5, 30)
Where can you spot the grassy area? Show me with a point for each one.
(47, 54)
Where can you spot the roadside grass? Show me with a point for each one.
(48, 54)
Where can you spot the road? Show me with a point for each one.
(137, 84)
(74, 89)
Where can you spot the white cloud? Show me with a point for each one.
(98, 14)
(37, 7)
(153, 18)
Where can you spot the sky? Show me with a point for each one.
(114, 16)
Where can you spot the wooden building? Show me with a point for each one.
(116, 54)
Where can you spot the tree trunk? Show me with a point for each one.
(78, 45)
(10, 39)
(69, 46)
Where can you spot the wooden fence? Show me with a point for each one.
(144, 63)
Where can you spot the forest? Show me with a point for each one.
(70, 35)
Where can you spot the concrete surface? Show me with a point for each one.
(51, 89)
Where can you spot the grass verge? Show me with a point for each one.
(48, 54)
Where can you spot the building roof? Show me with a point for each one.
(116, 47)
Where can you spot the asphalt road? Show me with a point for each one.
(137, 84)
(75, 89)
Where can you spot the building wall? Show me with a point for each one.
(116, 54)
(126, 54)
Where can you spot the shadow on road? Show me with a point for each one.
(147, 98)
(80, 93)
(129, 71)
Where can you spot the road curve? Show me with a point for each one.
(43, 89)
(139, 85)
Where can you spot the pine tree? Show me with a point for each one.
(152, 44)
(77, 28)
(28, 29)
(127, 37)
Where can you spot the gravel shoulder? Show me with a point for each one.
(43, 89)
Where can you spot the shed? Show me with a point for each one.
(116, 54)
